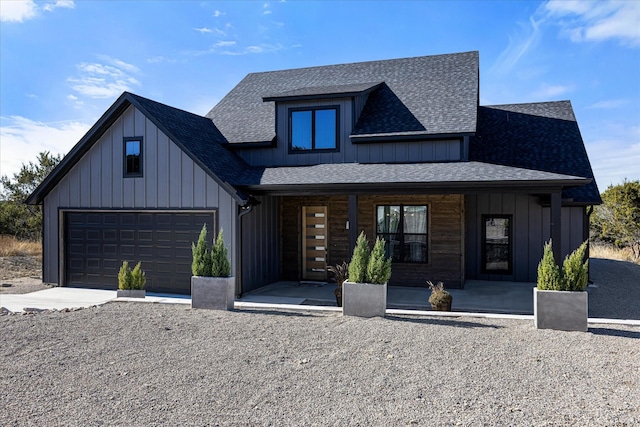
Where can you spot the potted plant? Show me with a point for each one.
(560, 300)
(212, 286)
(340, 274)
(131, 283)
(439, 299)
(364, 293)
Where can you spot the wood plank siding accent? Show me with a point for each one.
(446, 213)
(171, 181)
(531, 229)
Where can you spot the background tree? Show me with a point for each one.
(617, 220)
(16, 218)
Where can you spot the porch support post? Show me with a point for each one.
(556, 225)
(353, 222)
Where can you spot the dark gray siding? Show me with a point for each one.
(171, 181)
(261, 244)
(531, 229)
(389, 152)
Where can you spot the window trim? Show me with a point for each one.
(126, 174)
(401, 227)
(313, 128)
(483, 243)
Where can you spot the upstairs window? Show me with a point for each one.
(313, 129)
(405, 231)
(133, 157)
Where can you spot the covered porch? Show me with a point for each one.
(478, 296)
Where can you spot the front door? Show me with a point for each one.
(314, 243)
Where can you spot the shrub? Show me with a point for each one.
(438, 295)
(340, 272)
(138, 277)
(379, 266)
(124, 276)
(575, 270)
(359, 260)
(220, 265)
(574, 274)
(201, 264)
(548, 272)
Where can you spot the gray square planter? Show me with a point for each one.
(364, 299)
(213, 293)
(560, 310)
(131, 293)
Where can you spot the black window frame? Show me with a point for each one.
(402, 234)
(125, 172)
(313, 110)
(483, 242)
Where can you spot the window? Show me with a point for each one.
(496, 243)
(315, 129)
(404, 228)
(133, 157)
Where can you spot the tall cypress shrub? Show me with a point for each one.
(201, 264)
(379, 266)
(220, 265)
(359, 260)
(548, 271)
(575, 270)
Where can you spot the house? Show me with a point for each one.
(293, 164)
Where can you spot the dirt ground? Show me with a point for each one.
(21, 275)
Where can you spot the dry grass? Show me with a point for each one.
(10, 246)
(610, 252)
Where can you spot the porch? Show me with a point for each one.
(477, 296)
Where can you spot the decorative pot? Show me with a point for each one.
(443, 306)
(364, 299)
(338, 294)
(560, 310)
(213, 293)
(131, 293)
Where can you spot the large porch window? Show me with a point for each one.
(404, 228)
(496, 244)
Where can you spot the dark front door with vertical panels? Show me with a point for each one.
(96, 244)
(314, 243)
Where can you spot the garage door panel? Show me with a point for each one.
(96, 244)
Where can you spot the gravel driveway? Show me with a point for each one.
(140, 364)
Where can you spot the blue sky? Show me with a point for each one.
(63, 63)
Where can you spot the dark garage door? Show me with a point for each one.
(96, 244)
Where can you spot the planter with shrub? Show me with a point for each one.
(560, 301)
(131, 282)
(212, 286)
(439, 299)
(364, 294)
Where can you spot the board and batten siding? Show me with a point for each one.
(261, 244)
(171, 181)
(531, 229)
(381, 152)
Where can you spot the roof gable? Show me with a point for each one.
(543, 136)
(440, 94)
(197, 136)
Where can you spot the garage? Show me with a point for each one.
(97, 242)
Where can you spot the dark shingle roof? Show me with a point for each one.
(195, 135)
(437, 95)
(445, 175)
(319, 92)
(542, 136)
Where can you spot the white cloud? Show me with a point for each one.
(18, 11)
(267, 12)
(584, 20)
(609, 104)
(104, 80)
(203, 30)
(22, 139)
(64, 4)
(223, 43)
(518, 46)
(547, 91)
(217, 13)
(23, 10)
